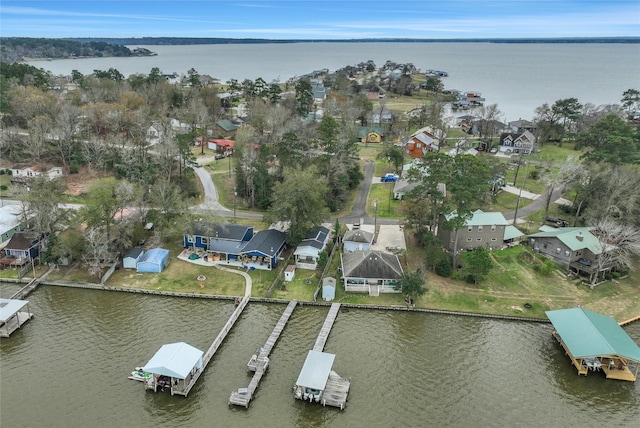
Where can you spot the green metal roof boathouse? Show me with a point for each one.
(596, 342)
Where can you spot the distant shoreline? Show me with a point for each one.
(211, 40)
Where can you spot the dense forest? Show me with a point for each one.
(21, 48)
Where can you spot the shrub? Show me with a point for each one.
(443, 266)
(73, 167)
(4, 187)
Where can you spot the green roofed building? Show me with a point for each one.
(596, 342)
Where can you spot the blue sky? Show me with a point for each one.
(321, 19)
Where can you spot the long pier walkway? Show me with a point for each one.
(326, 327)
(259, 365)
(222, 335)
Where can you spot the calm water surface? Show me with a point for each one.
(68, 368)
(518, 77)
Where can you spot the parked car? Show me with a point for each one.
(389, 178)
(219, 156)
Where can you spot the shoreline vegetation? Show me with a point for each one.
(34, 49)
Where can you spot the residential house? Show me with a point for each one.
(572, 248)
(517, 143)
(422, 142)
(404, 186)
(357, 240)
(370, 134)
(24, 173)
(263, 250)
(519, 126)
(220, 146)
(235, 244)
(308, 251)
(22, 248)
(319, 91)
(372, 272)
(10, 222)
(225, 128)
(154, 134)
(380, 116)
(484, 229)
(219, 242)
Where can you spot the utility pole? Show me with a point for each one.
(515, 215)
(235, 194)
(375, 221)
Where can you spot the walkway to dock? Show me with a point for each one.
(629, 321)
(243, 396)
(326, 327)
(32, 285)
(223, 333)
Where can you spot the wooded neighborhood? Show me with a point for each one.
(125, 151)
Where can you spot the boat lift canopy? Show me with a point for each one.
(9, 307)
(315, 371)
(175, 360)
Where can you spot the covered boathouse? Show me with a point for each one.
(13, 314)
(318, 383)
(596, 342)
(173, 367)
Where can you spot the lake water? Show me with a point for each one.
(68, 368)
(517, 77)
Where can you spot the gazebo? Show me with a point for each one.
(596, 342)
(173, 366)
(13, 314)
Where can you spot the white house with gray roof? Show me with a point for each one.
(372, 272)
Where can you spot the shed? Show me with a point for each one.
(328, 288)
(13, 313)
(154, 260)
(131, 259)
(289, 273)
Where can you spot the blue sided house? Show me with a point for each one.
(154, 260)
(219, 242)
(263, 250)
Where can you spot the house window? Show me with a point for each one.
(493, 228)
(190, 239)
(469, 239)
(479, 228)
(558, 250)
(204, 240)
(478, 239)
(579, 253)
(470, 229)
(493, 239)
(567, 253)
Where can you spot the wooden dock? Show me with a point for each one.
(213, 348)
(336, 390)
(242, 396)
(629, 321)
(326, 327)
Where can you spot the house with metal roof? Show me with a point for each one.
(308, 250)
(154, 261)
(372, 272)
(484, 229)
(370, 134)
(173, 366)
(572, 248)
(596, 343)
(13, 314)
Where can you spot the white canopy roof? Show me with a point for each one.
(8, 308)
(316, 369)
(175, 360)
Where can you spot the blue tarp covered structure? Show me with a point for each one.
(175, 360)
(154, 260)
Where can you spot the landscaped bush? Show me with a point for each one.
(443, 266)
